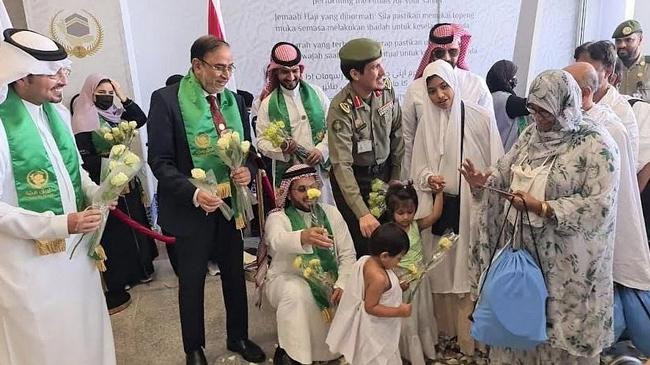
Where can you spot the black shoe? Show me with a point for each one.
(282, 358)
(196, 357)
(117, 301)
(247, 349)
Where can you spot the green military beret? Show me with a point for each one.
(359, 50)
(626, 28)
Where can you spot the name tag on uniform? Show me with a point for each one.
(384, 108)
(364, 145)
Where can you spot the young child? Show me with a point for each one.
(419, 333)
(366, 327)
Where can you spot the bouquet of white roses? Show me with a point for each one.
(208, 182)
(233, 151)
(123, 134)
(122, 166)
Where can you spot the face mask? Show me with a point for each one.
(103, 102)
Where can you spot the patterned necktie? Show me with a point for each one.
(217, 117)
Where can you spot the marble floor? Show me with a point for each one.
(148, 331)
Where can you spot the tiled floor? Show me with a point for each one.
(148, 331)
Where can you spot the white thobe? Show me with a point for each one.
(483, 147)
(52, 308)
(473, 90)
(621, 107)
(301, 327)
(641, 111)
(631, 252)
(300, 131)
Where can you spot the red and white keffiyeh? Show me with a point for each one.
(446, 36)
(283, 54)
(294, 172)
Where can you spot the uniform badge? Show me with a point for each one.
(384, 108)
(345, 107)
(336, 125)
(387, 83)
(627, 30)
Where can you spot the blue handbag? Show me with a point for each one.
(636, 310)
(511, 308)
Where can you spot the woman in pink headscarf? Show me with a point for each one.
(129, 253)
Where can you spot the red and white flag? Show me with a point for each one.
(217, 29)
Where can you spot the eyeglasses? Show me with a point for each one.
(440, 53)
(221, 69)
(304, 188)
(62, 72)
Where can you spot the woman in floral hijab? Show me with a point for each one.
(572, 214)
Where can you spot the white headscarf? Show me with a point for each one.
(439, 131)
(18, 63)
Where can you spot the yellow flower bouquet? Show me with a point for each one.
(445, 243)
(277, 135)
(124, 133)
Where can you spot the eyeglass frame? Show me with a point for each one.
(452, 52)
(542, 113)
(218, 68)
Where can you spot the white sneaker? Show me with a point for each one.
(213, 269)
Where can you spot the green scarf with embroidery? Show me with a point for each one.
(202, 134)
(34, 175)
(327, 259)
(315, 114)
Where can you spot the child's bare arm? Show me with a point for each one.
(376, 284)
(436, 212)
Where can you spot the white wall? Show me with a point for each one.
(163, 32)
(557, 34)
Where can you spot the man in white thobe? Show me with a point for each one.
(449, 42)
(303, 108)
(631, 253)
(52, 308)
(302, 328)
(602, 56)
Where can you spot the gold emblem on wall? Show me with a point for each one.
(79, 32)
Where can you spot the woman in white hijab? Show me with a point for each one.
(567, 172)
(437, 154)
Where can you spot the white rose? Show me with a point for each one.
(235, 137)
(133, 124)
(119, 179)
(131, 159)
(245, 146)
(198, 174)
(118, 150)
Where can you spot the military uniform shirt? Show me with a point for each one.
(363, 133)
(635, 81)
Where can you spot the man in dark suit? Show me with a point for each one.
(185, 120)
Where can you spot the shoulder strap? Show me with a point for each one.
(462, 141)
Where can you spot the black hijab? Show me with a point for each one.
(499, 76)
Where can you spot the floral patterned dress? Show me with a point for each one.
(575, 245)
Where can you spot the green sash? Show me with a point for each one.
(315, 114)
(34, 176)
(102, 146)
(201, 133)
(327, 259)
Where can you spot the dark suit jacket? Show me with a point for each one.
(171, 163)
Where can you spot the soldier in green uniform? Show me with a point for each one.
(635, 80)
(364, 135)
